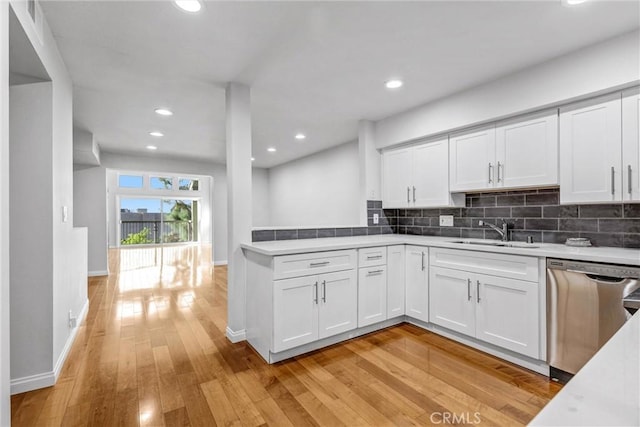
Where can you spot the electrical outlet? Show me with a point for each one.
(446, 220)
(376, 218)
(73, 320)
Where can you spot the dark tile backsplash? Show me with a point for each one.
(535, 213)
(373, 206)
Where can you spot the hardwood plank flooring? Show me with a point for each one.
(152, 351)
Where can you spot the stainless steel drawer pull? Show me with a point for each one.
(468, 289)
(499, 166)
(422, 261)
(613, 180)
(318, 264)
(374, 256)
(408, 195)
(630, 178)
(414, 194)
(478, 290)
(371, 273)
(490, 173)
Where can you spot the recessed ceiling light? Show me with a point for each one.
(573, 2)
(300, 136)
(271, 150)
(393, 84)
(191, 6)
(151, 147)
(253, 159)
(156, 133)
(163, 112)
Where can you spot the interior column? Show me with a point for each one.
(369, 160)
(239, 214)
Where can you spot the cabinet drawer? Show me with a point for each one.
(370, 257)
(503, 265)
(288, 266)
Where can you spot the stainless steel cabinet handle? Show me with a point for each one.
(324, 291)
(318, 264)
(374, 257)
(414, 194)
(613, 180)
(630, 177)
(499, 166)
(490, 173)
(315, 300)
(478, 290)
(468, 289)
(408, 194)
(371, 273)
(422, 261)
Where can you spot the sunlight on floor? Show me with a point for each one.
(164, 267)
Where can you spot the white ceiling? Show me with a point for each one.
(314, 67)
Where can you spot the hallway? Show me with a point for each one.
(152, 351)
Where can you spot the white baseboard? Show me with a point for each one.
(98, 273)
(223, 262)
(236, 336)
(47, 379)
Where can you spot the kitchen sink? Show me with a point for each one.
(496, 243)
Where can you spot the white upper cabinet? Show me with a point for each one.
(631, 145)
(396, 178)
(527, 152)
(418, 177)
(472, 160)
(511, 155)
(591, 151)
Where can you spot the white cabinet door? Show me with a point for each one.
(431, 174)
(295, 312)
(396, 178)
(507, 314)
(471, 161)
(372, 295)
(631, 146)
(527, 152)
(417, 283)
(452, 301)
(338, 301)
(395, 281)
(591, 152)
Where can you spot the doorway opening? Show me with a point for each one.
(153, 221)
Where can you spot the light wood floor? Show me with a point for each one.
(153, 352)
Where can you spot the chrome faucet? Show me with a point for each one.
(503, 232)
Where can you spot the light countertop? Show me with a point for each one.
(549, 250)
(606, 391)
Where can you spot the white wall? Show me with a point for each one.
(31, 246)
(261, 191)
(318, 190)
(90, 202)
(5, 374)
(69, 291)
(597, 68)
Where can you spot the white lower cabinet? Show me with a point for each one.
(372, 295)
(309, 308)
(417, 282)
(395, 281)
(499, 310)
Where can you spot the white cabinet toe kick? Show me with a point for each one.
(493, 302)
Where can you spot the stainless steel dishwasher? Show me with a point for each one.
(584, 309)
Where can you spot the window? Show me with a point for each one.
(161, 183)
(130, 181)
(188, 184)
